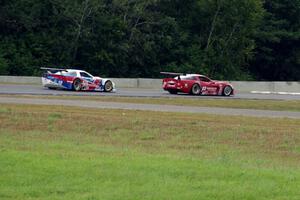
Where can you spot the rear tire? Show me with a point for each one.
(173, 91)
(77, 85)
(227, 91)
(196, 89)
(51, 88)
(108, 86)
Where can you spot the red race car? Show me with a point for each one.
(195, 84)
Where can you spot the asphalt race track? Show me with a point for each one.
(10, 89)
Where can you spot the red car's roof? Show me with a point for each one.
(194, 75)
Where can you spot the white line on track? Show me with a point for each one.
(269, 92)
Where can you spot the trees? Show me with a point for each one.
(147, 36)
(25, 35)
(230, 45)
(220, 32)
(278, 45)
(226, 39)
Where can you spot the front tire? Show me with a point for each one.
(77, 85)
(196, 89)
(108, 86)
(227, 91)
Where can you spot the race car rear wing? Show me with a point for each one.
(53, 70)
(173, 74)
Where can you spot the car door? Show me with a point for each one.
(86, 77)
(187, 82)
(209, 87)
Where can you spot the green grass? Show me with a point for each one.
(279, 105)
(74, 153)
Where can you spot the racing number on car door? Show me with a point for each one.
(208, 86)
(204, 84)
(213, 88)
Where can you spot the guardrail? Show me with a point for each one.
(241, 86)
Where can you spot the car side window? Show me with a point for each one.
(85, 75)
(204, 79)
(189, 78)
(73, 74)
(69, 73)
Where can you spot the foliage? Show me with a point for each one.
(225, 39)
(278, 42)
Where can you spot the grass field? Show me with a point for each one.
(49, 152)
(279, 105)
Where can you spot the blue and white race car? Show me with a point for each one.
(73, 79)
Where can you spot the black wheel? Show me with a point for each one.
(51, 88)
(196, 89)
(227, 90)
(77, 85)
(172, 91)
(108, 86)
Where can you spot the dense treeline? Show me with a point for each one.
(225, 39)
